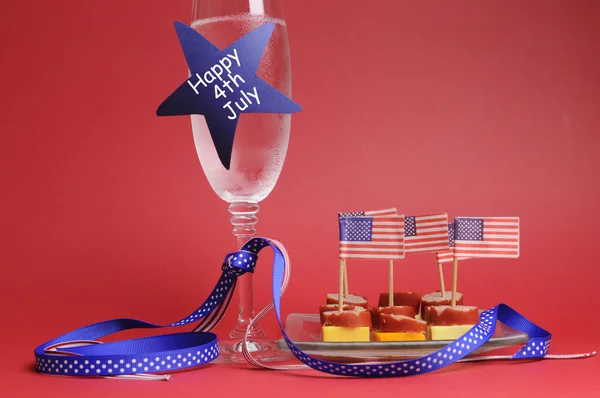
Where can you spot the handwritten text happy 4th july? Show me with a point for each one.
(220, 75)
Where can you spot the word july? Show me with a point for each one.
(216, 75)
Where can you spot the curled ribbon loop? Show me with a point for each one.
(78, 353)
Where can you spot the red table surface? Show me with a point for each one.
(548, 378)
(469, 107)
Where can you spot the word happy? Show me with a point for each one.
(225, 84)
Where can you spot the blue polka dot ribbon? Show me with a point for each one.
(78, 353)
(536, 347)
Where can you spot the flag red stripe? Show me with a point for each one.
(437, 216)
(388, 213)
(475, 252)
(417, 239)
(442, 234)
(343, 247)
(500, 219)
(375, 255)
(439, 221)
(372, 251)
(460, 245)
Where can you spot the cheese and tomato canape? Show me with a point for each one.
(447, 323)
(400, 328)
(346, 326)
(359, 322)
(396, 310)
(436, 299)
(360, 301)
(411, 299)
(333, 307)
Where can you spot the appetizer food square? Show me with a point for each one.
(341, 334)
(448, 332)
(411, 299)
(436, 299)
(350, 325)
(360, 301)
(332, 307)
(397, 310)
(397, 336)
(445, 315)
(447, 323)
(355, 317)
(400, 328)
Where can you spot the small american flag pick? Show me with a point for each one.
(379, 237)
(486, 237)
(370, 213)
(447, 255)
(456, 350)
(428, 233)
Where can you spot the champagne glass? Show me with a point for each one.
(259, 149)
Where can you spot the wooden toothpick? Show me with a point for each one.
(454, 281)
(341, 290)
(441, 272)
(346, 290)
(391, 282)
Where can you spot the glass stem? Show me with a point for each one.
(243, 219)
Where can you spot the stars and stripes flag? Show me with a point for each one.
(428, 233)
(370, 213)
(372, 237)
(486, 237)
(447, 255)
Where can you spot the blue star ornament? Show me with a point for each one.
(223, 85)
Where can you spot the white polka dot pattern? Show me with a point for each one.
(251, 248)
(78, 354)
(455, 351)
(128, 364)
(216, 297)
(241, 262)
(186, 350)
(535, 348)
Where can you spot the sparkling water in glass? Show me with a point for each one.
(259, 148)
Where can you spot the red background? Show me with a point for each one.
(469, 107)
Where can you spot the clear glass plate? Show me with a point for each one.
(305, 331)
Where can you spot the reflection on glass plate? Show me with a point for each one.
(305, 331)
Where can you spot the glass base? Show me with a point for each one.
(264, 351)
(263, 348)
